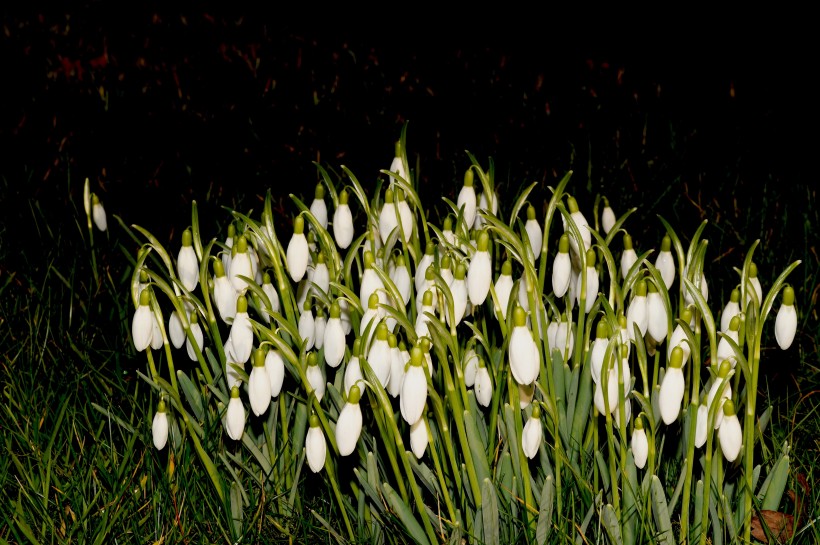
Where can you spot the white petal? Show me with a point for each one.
(561, 273)
(671, 394)
(459, 291)
(315, 448)
(534, 233)
(701, 425)
(731, 437)
(413, 394)
(665, 264)
(608, 221)
(188, 267)
(596, 357)
(316, 379)
(628, 258)
(531, 437)
(785, 326)
(159, 430)
(353, 373)
(235, 419)
(156, 333)
(657, 323)
(396, 372)
(640, 447)
(297, 256)
(225, 295)
(334, 342)
(307, 329)
(175, 330)
(636, 314)
(470, 367)
(241, 337)
(418, 438)
(343, 226)
(467, 198)
(259, 391)
(98, 213)
(348, 428)
(478, 278)
(503, 288)
(523, 354)
(196, 332)
(319, 210)
(240, 266)
(483, 387)
(275, 367)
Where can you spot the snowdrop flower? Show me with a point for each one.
(561, 267)
(235, 416)
(142, 325)
(721, 378)
(421, 268)
(397, 165)
(523, 352)
(388, 218)
(159, 427)
(343, 221)
(298, 252)
(598, 351)
(754, 286)
(479, 273)
(640, 444)
(672, 388)
(785, 325)
(445, 269)
(334, 337)
(730, 433)
(591, 293)
(483, 385)
(533, 229)
(315, 445)
(275, 368)
(467, 199)
(307, 326)
(396, 367)
(418, 438)
(370, 319)
(611, 400)
(176, 332)
(371, 283)
(629, 257)
(607, 217)
(224, 294)
(401, 278)
(196, 333)
(187, 262)
(321, 276)
(657, 321)
(347, 322)
(273, 298)
(636, 313)
(564, 338)
(319, 324)
(470, 367)
(353, 370)
(701, 425)
(665, 263)
(378, 356)
(490, 208)
(241, 335)
(459, 292)
(679, 338)
(413, 395)
(315, 376)
(259, 391)
(405, 215)
(688, 299)
(532, 435)
(318, 207)
(580, 222)
(523, 295)
(241, 265)
(98, 213)
(731, 310)
(349, 423)
(157, 336)
(503, 288)
(724, 349)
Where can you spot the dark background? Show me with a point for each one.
(690, 115)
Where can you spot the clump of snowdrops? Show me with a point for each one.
(514, 372)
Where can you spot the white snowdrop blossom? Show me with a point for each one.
(581, 223)
(503, 288)
(318, 207)
(533, 434)
(273, 298)
(315, 445)
(199, 338)
(275, 367)
(561, 267)
(730, 433)
(679, 338)
(731, 310)
(672, 388)
(241, 335)
(489, 207)
(467, 199)
(724, 349)
(405, 215)
(526, 393)
(353, 370)
(657, 320)
(785, 325)
(523, 352)
(307, 327)
(343, 221)
(458, 288)
(98, 213)
(176, 331)
(607, 217)
(479, 275)
(564, 338)
(371, 283)
(421, 268)
(334, 337)
(598, 350)
(321, 275)
(665, 262)
(470, 367)
(413, 396)
(349, 423)
(187, 262)
(533, 229)
(483, 385)
(142, 325)
(396, 367)
(719, 381)
(235, 416)
(378, 356)
(422, 318)
(636, 312)
(315, 376)
(241, 265)
(231, 374)
(159, 426)
(388, 215)
(701, 426)
(298, 253)
(419, 438)
(754, 289)
(259, 391)
(401, 278)
(629, 256)
(224, 294)
(591, 293)
(640, 444)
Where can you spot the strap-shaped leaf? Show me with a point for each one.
(544, 526)
(660, 511)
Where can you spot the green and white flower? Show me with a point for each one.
(315, 376)
(187, 262)
(318, 207)
(665, 262)
(479, 274)
(673, 386)
(196, 333)
(234, 420)
(532, 435)
(640, 444)
(349, 423)
(629, 256)
(785, 325)
(523, 352)
(241, 335)
(419, 438)
(730, 433)
(259, 384)
(315, 445)
(241, 265)
(275, 367)
(413, 397)
(159, 427)
(343, 222)
(561, 267)
(467, 199)
(533, 231)
(298, 253)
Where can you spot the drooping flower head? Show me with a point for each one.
(785, 325)
(349, 423)
(315, 445)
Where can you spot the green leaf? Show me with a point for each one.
(544, 526)
(489, 512)
(660, 512)
(611, 526)
(408, 520)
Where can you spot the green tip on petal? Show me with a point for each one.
(427, 299)
(468, 177)
(381, 331)
(519, 317)
(402, 346)
(430, 248)
(320, 192)
(145, 297)
(298, 225)
(312, 359)
(242, 244)
(343, 196)
(400, 260)
(161, 406)
(219, 268)
(392, 341)
(621, 320)
(241, 304)
(234, 392)
(446, 262)
(416, 356)
(651, 287)
(461, 271)
(320, 312)
(530, 212)
(729, 408)
(354, 394)
(666, 243)
(335, 310)
(590, 258)
(373, 301)
(187, 238)
(388, 196)
(563, 244)
(686, 315)
(627, 242)
(368, 259)
(641, 288)
(602, 330)
(258, 358)
(483, 241)
(734, 323)
(307, 305)
(788, 296)
(676, 360)
(536, 412)
(314, 420)
(735, 296)
(448, 223)
(357, 347)
(725, 367)
(572, 205)
(95, 199)
(399, 194)
(231, 230)
(506, 268)
(605, 201)
(320, 258)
